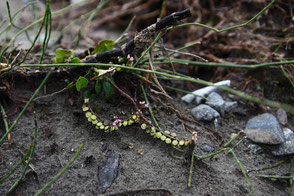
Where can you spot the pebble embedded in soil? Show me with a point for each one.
(204, 112)
(264, 129)
(255, 149)
(287, 147)
(216, 101)
(206, 148)
(203, 92)
(282, 116)
(107, 171)
(230, 105)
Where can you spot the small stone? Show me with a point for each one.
(282, 116)
(204, 112)
(264, 129)
(107, 171)
(206, 148)
(287, 147)
(216, 101)
(230, 105)
(203, 92)
(255, 149)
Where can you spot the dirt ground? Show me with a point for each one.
(63, 127)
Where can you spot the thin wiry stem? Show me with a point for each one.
(229, 28)
(25, 107)
(30, 157)
(243, 95)
(244, 173)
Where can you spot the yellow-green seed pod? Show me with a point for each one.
(118, 69)
(94, 122)
(89, 119)
(86, 100)
(99, 124)
(88, 114)
(93, 117)
(182, 142)
(119, 124)
(175, 142)
(97, 127)
(168, 140)
(112, 128)
(134, 117)
(85, 109)
(106, 128)
(163, 137)
(152, 133)
(167, 132)
(102, 127)
(153, 129)
(174, 134)
(143, 126)
(148, 131)
(130, 122)
(186, 143)
(125, 123)
(158, 134)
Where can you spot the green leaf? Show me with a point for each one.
(81, 83)
(108, 90)
(75, 60)
(103, 46)
(61, 55)
(98, 87)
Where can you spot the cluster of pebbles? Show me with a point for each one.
(265, 128)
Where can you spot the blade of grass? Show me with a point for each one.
(39, 192)
(100, 6)
(148, 49)
(25, 107)
(30, 157)
(204, 64)
(11, 19)
(56, 13)
(17, 165)
(149, 108)
(229, 28)
(15, 15)
(291, 170)
(120, 39)
(243, 95)
(36, 37)
(5, 121)
(244, 173)
(276, 177)
(185, 47)
(48, 28)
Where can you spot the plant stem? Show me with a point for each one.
(25, 107)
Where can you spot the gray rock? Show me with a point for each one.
(107, 171)
(287, 147)
(203, 92)
(206, 148)
(230, 105)
(216, 101)
(282, 116)
(204, 112)
(264, 129)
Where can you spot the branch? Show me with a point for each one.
(142, 40)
